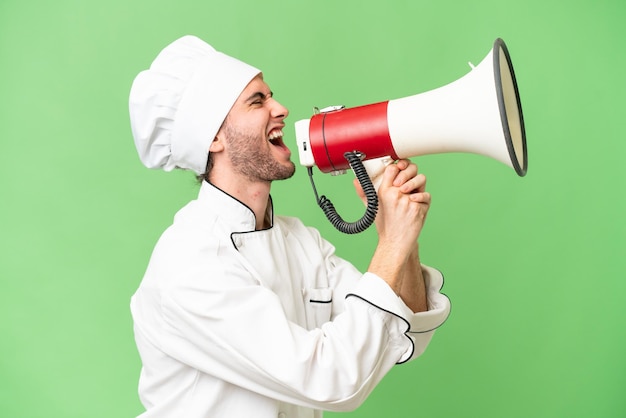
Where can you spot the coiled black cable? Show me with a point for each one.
(354, 159)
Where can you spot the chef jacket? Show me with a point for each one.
(233, 322)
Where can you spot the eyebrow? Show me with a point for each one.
(259, 95)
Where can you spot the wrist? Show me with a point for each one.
(388, 263)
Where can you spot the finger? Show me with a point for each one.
(409, 171)
(402, 164)
(424, 198)
(389, 175)
(417, 184)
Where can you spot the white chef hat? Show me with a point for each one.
(179, 103)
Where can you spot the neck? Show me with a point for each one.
(255, 195)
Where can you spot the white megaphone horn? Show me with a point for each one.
(480, 113)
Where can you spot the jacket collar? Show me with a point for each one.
(238, 216)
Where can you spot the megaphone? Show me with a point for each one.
(480, 113)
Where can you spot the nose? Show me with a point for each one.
(278, 110)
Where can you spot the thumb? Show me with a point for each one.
(359, 191)
(389, 175)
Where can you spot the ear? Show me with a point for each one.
(217, 145)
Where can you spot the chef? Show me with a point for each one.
(246, 313)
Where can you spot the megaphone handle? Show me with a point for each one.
(375, 168)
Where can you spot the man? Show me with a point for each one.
(243, 313)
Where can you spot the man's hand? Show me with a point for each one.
(402, 210)
(403, 204)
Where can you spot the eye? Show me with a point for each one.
(259, 99)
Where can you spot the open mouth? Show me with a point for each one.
(276, 137)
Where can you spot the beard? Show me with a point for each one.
(255, 163)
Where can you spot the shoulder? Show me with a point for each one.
(191, 243)
(290, 222)
(309, 237)
(295, 225)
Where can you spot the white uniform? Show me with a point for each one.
(232, 322)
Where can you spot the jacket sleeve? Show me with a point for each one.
(421, 325)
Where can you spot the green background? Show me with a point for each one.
(534, 266)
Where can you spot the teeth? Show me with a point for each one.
(275, 135)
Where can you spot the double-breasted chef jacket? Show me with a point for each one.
(233, 322)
